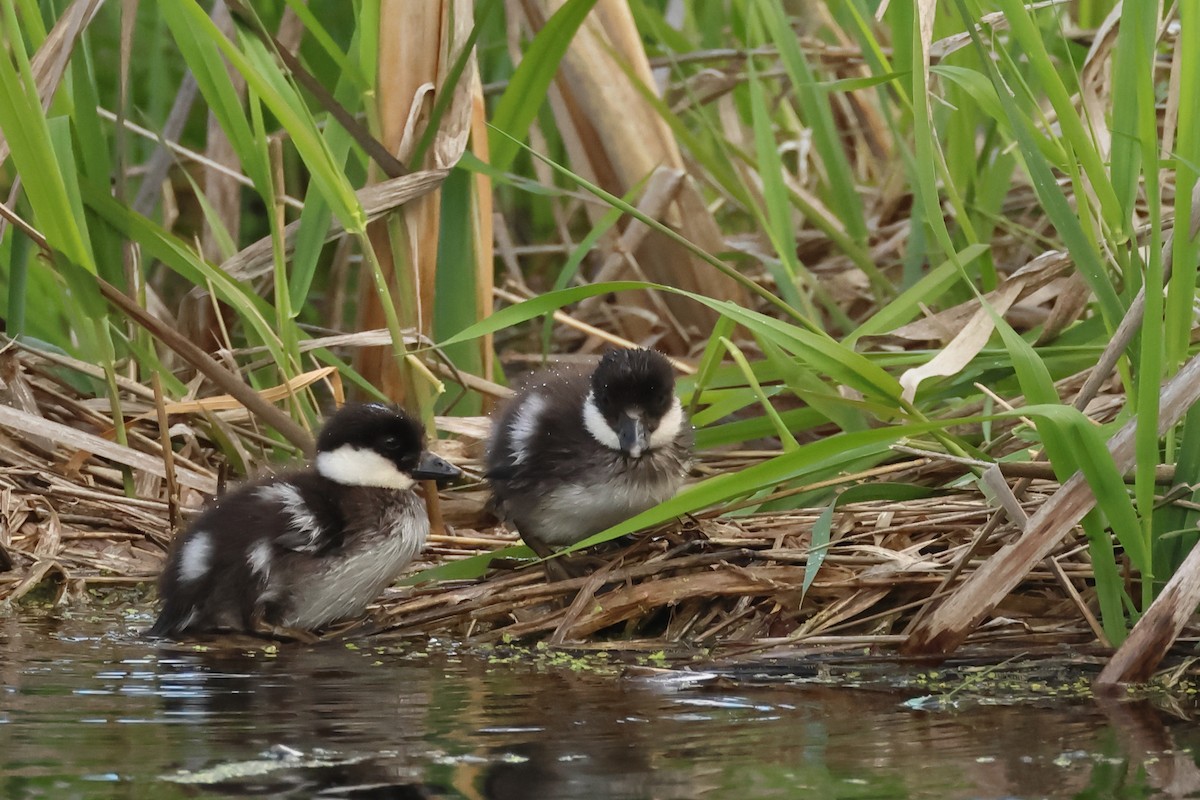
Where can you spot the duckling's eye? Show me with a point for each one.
(390, 442)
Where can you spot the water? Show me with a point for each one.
(89, 711)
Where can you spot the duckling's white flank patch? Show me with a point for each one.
(597, 426)
(524, 426)
(353, 466)
(668, 426)
(195, 556)
(303, 522)
(260, 558)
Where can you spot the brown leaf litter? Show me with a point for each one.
(733, 584)
(704, 584)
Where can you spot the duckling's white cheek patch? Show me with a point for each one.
(597, 426)
(524, 426)
(195, 556)
(669, 426)
(351, 466)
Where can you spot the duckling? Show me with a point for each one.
(573, 454)
(298, 551)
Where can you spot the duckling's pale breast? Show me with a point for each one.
(600, 498)
(385, 530)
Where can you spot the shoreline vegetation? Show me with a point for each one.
(927, 272)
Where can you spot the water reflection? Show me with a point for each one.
(89, 710)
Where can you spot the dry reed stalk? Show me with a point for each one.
(616, 139)
(418, 45)
(1155, 633)
(409, 45)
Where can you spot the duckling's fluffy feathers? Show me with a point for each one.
(309, 547)
(295, 551)
(557, 481)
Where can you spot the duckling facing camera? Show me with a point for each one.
(573, 454)
(299, 551)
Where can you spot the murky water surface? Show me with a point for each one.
(88, 710)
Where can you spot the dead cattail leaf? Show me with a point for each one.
(256, 260)
(65, 436)
(224, 402)
(616, 139)
(412, 47)
(960, 351)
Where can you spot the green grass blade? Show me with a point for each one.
(530, 83)
(817, 115)
(822, 530)
(781, 430)
(1133, 64)
(825, 355)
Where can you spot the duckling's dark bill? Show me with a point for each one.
(632, 435)
(433, 467)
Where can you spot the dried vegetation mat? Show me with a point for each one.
(734, 584)
(81, 512)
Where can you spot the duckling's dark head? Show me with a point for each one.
(632, 405)
(372, 444)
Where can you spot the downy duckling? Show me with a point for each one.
(301, 550)
(573, 454)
